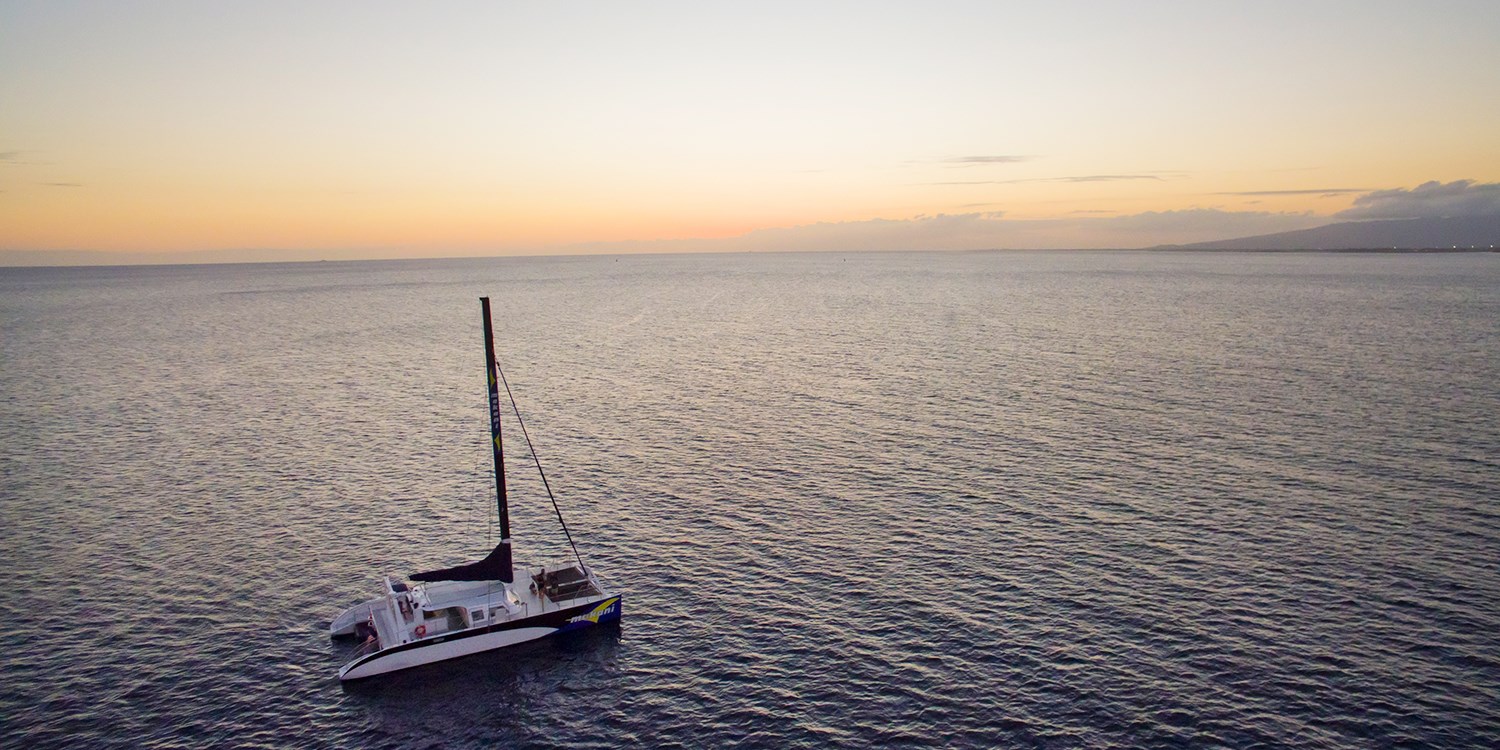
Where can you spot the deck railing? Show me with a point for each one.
(370, 646)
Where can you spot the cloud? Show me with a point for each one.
(1327, 192)
(1077, 178)
(972, 160)
(1214, 222)
(20, 158)
(990, 230)
(1109, 178)
(1429, 200)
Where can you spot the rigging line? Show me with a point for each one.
(538, 461)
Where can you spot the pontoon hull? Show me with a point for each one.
(347, 621)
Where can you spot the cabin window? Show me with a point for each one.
(476, 614)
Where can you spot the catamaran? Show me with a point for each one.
(479, 606)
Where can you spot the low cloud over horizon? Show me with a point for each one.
(940, 232)
(983, 231)
(970, 230)
(989, 230)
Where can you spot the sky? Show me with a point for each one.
(406, 129)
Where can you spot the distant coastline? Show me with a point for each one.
(1441, 234)
(1341, 250)
(1459, 234)
(21, 259)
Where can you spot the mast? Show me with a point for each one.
(496, 566)
(499, 450)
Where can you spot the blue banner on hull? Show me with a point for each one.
(606, 611)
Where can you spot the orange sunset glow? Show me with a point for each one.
(416, 130)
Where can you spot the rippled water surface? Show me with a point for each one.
(948, 500)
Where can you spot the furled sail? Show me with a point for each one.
(495, 567)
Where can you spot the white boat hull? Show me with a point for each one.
(453, 644)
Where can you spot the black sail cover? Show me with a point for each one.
(495, 567)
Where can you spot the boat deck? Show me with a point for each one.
(564, 585)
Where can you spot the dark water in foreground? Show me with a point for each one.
(956, 500)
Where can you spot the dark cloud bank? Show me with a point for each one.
(1430, 200)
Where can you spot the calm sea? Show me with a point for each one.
(918, 500)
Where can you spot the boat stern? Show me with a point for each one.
(605, 611)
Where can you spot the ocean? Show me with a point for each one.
(1018, 499)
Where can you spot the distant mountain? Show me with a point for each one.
(1463, 232)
